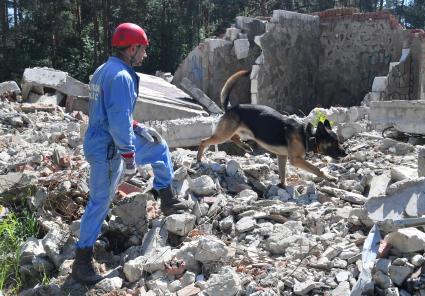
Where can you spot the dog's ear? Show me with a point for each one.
(327, 124)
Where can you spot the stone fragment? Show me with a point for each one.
(407, 240)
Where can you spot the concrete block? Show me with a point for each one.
(35, 79)
(232, 33)
(241, 48)
(10, 87)
(380, 83)
(405, 116)
(185, 132)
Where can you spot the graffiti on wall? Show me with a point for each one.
(194, 66)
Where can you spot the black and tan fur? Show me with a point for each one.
(279, 134)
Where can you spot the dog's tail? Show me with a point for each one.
(225, 91)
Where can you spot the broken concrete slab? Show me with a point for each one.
(9, 87)
(147, 110)
(200, 96)
(406, 196)
(158, 100)
(405, 116)
(36, 79)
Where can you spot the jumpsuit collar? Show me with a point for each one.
(118, 60)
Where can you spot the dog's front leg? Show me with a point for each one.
(281, 162)
(307, 166)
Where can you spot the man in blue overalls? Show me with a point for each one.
(114, 143)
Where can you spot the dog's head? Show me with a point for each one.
(327, 141)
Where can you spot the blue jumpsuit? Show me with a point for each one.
(113, 94)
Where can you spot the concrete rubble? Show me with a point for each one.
(244, 235)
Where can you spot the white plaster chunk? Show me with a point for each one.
(227, 283)
(133, 269)
(202, 186)
(180, 224)
(210, 249)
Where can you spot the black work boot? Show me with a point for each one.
(170, 204)
(83, 269)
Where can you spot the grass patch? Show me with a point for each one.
(14, 230)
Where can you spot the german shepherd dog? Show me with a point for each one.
(279, 134)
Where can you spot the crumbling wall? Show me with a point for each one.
(213, 61)
(288, 75)
(330, 58)
(399, 84)
(418, 64)
(355, 47)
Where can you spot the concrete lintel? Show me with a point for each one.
(185, 132)
(200, 96)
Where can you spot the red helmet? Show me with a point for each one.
(127, 34)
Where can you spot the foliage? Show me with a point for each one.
(320, 116)
(74, 35)
(14, 230)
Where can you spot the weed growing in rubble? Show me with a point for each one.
(14, 230)
(320, 117)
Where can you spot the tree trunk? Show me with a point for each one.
(15, 12)
(77, 13)
(3, 22)
(54, 27)
(95, 33)
(106, 33)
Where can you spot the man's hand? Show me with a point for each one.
(129, 166)
(147, 132)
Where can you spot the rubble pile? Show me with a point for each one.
(244, 236)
